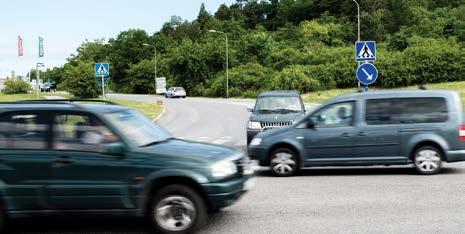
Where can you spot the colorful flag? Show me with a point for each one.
(41, 47)
(20, 46)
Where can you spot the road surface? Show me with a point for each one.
(320, 200)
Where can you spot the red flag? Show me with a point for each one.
(20, 46)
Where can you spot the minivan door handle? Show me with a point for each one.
(63, 160)
(362, 133)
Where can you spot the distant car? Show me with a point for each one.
(60, 157)
(175, 92)
(423, 128)
(46, 87)
(274, 109)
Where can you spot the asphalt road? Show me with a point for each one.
(320, 200)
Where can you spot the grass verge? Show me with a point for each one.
(151, 110)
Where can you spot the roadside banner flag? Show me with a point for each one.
(20, 46)
(41, 47)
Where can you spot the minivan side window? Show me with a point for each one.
(336, 115)
(24, 131)
(406, 111)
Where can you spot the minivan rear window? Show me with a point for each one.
(406, 111)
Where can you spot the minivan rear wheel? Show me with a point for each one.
(178, 209)
(428, 160)
(284, 162)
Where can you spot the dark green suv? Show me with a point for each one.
(76, 158)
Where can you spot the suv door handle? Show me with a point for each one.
(63, 160)
(362, 133)
(346, 134)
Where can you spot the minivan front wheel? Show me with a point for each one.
(283, 162)
(428, 160)
(178, 209)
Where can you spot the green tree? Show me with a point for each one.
(80, 80)
(16, 86)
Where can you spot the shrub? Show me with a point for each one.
(14, 86)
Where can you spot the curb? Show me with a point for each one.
(160, 115)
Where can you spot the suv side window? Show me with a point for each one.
(81, 132)
(24, 131)
(336, 115)
(405, 111)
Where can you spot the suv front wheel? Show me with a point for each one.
(428, 160)
(178, 209)
(284, 162)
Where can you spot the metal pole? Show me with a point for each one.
(103, 87)
(155, 78)
(227, 66)
(358, 31)
(37, 80)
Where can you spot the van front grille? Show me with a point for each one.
(274, 124)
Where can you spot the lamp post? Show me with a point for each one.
(155, 54)
(358, 30)
(38, 78)
(227, 60)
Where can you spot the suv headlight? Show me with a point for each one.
(254, 125)
(256, 141)
(223, 168)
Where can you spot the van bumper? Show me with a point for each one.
(455, 155)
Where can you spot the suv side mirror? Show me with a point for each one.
(310, 124)
(115, 148)
(249, 109)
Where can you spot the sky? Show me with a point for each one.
(65, 24)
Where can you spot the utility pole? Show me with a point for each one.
(358, 30)
(155, 78)
(38, 78)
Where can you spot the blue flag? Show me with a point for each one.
(41, 47)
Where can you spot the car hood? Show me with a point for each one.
(276, 117)
(191, 150)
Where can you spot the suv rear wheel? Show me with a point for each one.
(178, 209)
(284, 162)
(428, 160)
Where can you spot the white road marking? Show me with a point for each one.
(241, 143)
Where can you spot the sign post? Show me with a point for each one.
(102, 70)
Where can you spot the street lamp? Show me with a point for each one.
(38, 77)
(358, 30)
(227, 60)
(155, 78)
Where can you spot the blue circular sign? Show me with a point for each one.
(367, 73)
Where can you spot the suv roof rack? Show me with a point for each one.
(58, 101)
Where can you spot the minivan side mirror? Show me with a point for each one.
(117, 148)
(249, 109)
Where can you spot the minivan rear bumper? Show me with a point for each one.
(455, 155)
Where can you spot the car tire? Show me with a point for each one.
(284, 162)
(184, 97)
(427, 160)
(178, 209)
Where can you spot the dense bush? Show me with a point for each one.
(80, 80)
(14, 86)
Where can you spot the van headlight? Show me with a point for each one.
(223, 168)
(254, 125)
(256, 141)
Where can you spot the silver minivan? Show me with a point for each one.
(419, 127)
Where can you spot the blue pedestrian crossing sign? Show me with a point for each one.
(102, 69)
(367, 73)
(365, 51)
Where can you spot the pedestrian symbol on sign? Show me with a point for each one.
(365, 51)
(102, 69)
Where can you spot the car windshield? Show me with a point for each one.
(137, 128)
(272, 105)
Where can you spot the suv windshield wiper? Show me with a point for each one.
(156, 142)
